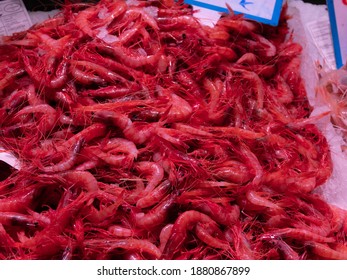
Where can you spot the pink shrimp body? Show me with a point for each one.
(257, 199)
(157, 215)
(155, 196)
(179, 230)
(66, 164)
(120, 231)
(18, 202)
(155, 172)
(327, 252)
(164, 236)
(204, 234)
(82, 178)
(299, 234)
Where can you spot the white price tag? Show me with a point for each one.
(321, 35)
(13, 17)
(263, 11)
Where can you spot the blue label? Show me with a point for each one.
(338, 22)
(268, 11)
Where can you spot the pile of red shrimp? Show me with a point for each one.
(142, 134)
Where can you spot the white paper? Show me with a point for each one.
(267, 12)
(13, 17)
(9, 158)
(334, 191)
(321, 34)
(258, 8)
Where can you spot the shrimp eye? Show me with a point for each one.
(49, 72)
(184, 36)
(35, 224)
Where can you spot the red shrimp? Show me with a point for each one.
(119, 145)
(133, 256)
(233, 171)
(237, 24)
(234, 132)
(326, 252)
(33, 97)
(6, 241)
(259, 89)
(17, 219)
(172, 23)
(297, 234)
(117, 152)
(215, 92)
(55, 49)
(283, 92)
(157, 215)
(253, 163)
(49, 241)
(218, 34)
(104, 213)
(114, 10)
(223, 214)
(148, 15)
(88, 164)
(133, 58)
(84, 179)
(178, 235)
(248, 59)
(169, 9)
(287, 251)
(224, 52)
(120, 231)
(185, 128)
(256, 198)
(204, 233)
(136, 132)
(15, 100)
(103, 72)
(8, 78)
(18, 202)
(112, 91)
(164, 236)
(172, 136)
(82, 20)
(155, 172)
(91, 132)
(116, 160)
(141, 246)
(151, 198)
(179, 109)
(339, 219)
(61, 75)
(268, 49)
(67, 163)
(47, 121)
(104, 55)
(243, 249)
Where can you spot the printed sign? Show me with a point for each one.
(263, 11)
(13, 17)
